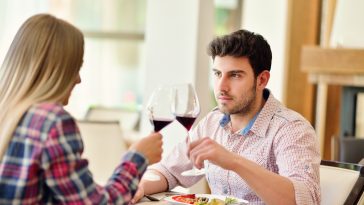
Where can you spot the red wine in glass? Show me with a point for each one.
(159, 124)
(159, 108)
(160, 115)
(186, 108)
(186, 121)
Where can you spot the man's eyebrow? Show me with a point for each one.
(230, 72)
(236, 71)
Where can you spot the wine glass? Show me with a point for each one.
(186, 108)
(159, 108)
(160, 115)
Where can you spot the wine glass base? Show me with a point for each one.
(151, 177)
(193, 172)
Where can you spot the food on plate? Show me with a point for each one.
(230, 200)
(215, 201)
(188, 198)
(201, 201)
(198, 200)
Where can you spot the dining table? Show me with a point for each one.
(156, 199)
(164, 198)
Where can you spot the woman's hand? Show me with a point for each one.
(138, 195)
(150, 147)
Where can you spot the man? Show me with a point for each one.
(251, 146)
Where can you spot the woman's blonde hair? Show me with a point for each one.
(41, 65)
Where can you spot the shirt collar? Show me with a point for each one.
(250, 125)
(224, 120)
(226, 117)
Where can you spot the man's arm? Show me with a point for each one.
(270, 187)
(275, 189)
(150, 187)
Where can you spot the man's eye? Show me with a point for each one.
(217, 74)
(235, 75)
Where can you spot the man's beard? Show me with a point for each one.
(243, 107)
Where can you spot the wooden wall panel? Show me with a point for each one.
(303, 29)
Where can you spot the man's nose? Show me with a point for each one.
(223, 84)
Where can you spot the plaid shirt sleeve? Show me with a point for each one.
(67, 175)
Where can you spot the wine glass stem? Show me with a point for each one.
(189, 142)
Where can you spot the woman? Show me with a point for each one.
(40, 144)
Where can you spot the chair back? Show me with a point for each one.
(129, 120)
(361, 200)
(104, 147)
(341, 183)
(351, 149)
(361, 162)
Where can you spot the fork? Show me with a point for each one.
(152, 198)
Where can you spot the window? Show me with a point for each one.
(227, 16)
(114, 43)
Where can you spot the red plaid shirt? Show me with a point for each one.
(43, 164)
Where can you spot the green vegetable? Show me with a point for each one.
(229, 200)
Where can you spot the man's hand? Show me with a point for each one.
(207, 149)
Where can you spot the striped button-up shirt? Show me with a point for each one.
(43, 164)
(278, 139)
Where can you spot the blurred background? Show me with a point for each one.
(132, 46)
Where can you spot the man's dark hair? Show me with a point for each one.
(243, 43)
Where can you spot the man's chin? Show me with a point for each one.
(224, 109)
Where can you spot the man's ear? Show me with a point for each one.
(262, 79)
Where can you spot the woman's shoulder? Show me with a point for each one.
(43, 117)
(48, 110)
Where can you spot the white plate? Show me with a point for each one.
(209, 196)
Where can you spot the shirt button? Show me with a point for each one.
(225, 191)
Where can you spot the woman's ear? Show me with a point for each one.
(262, 79)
